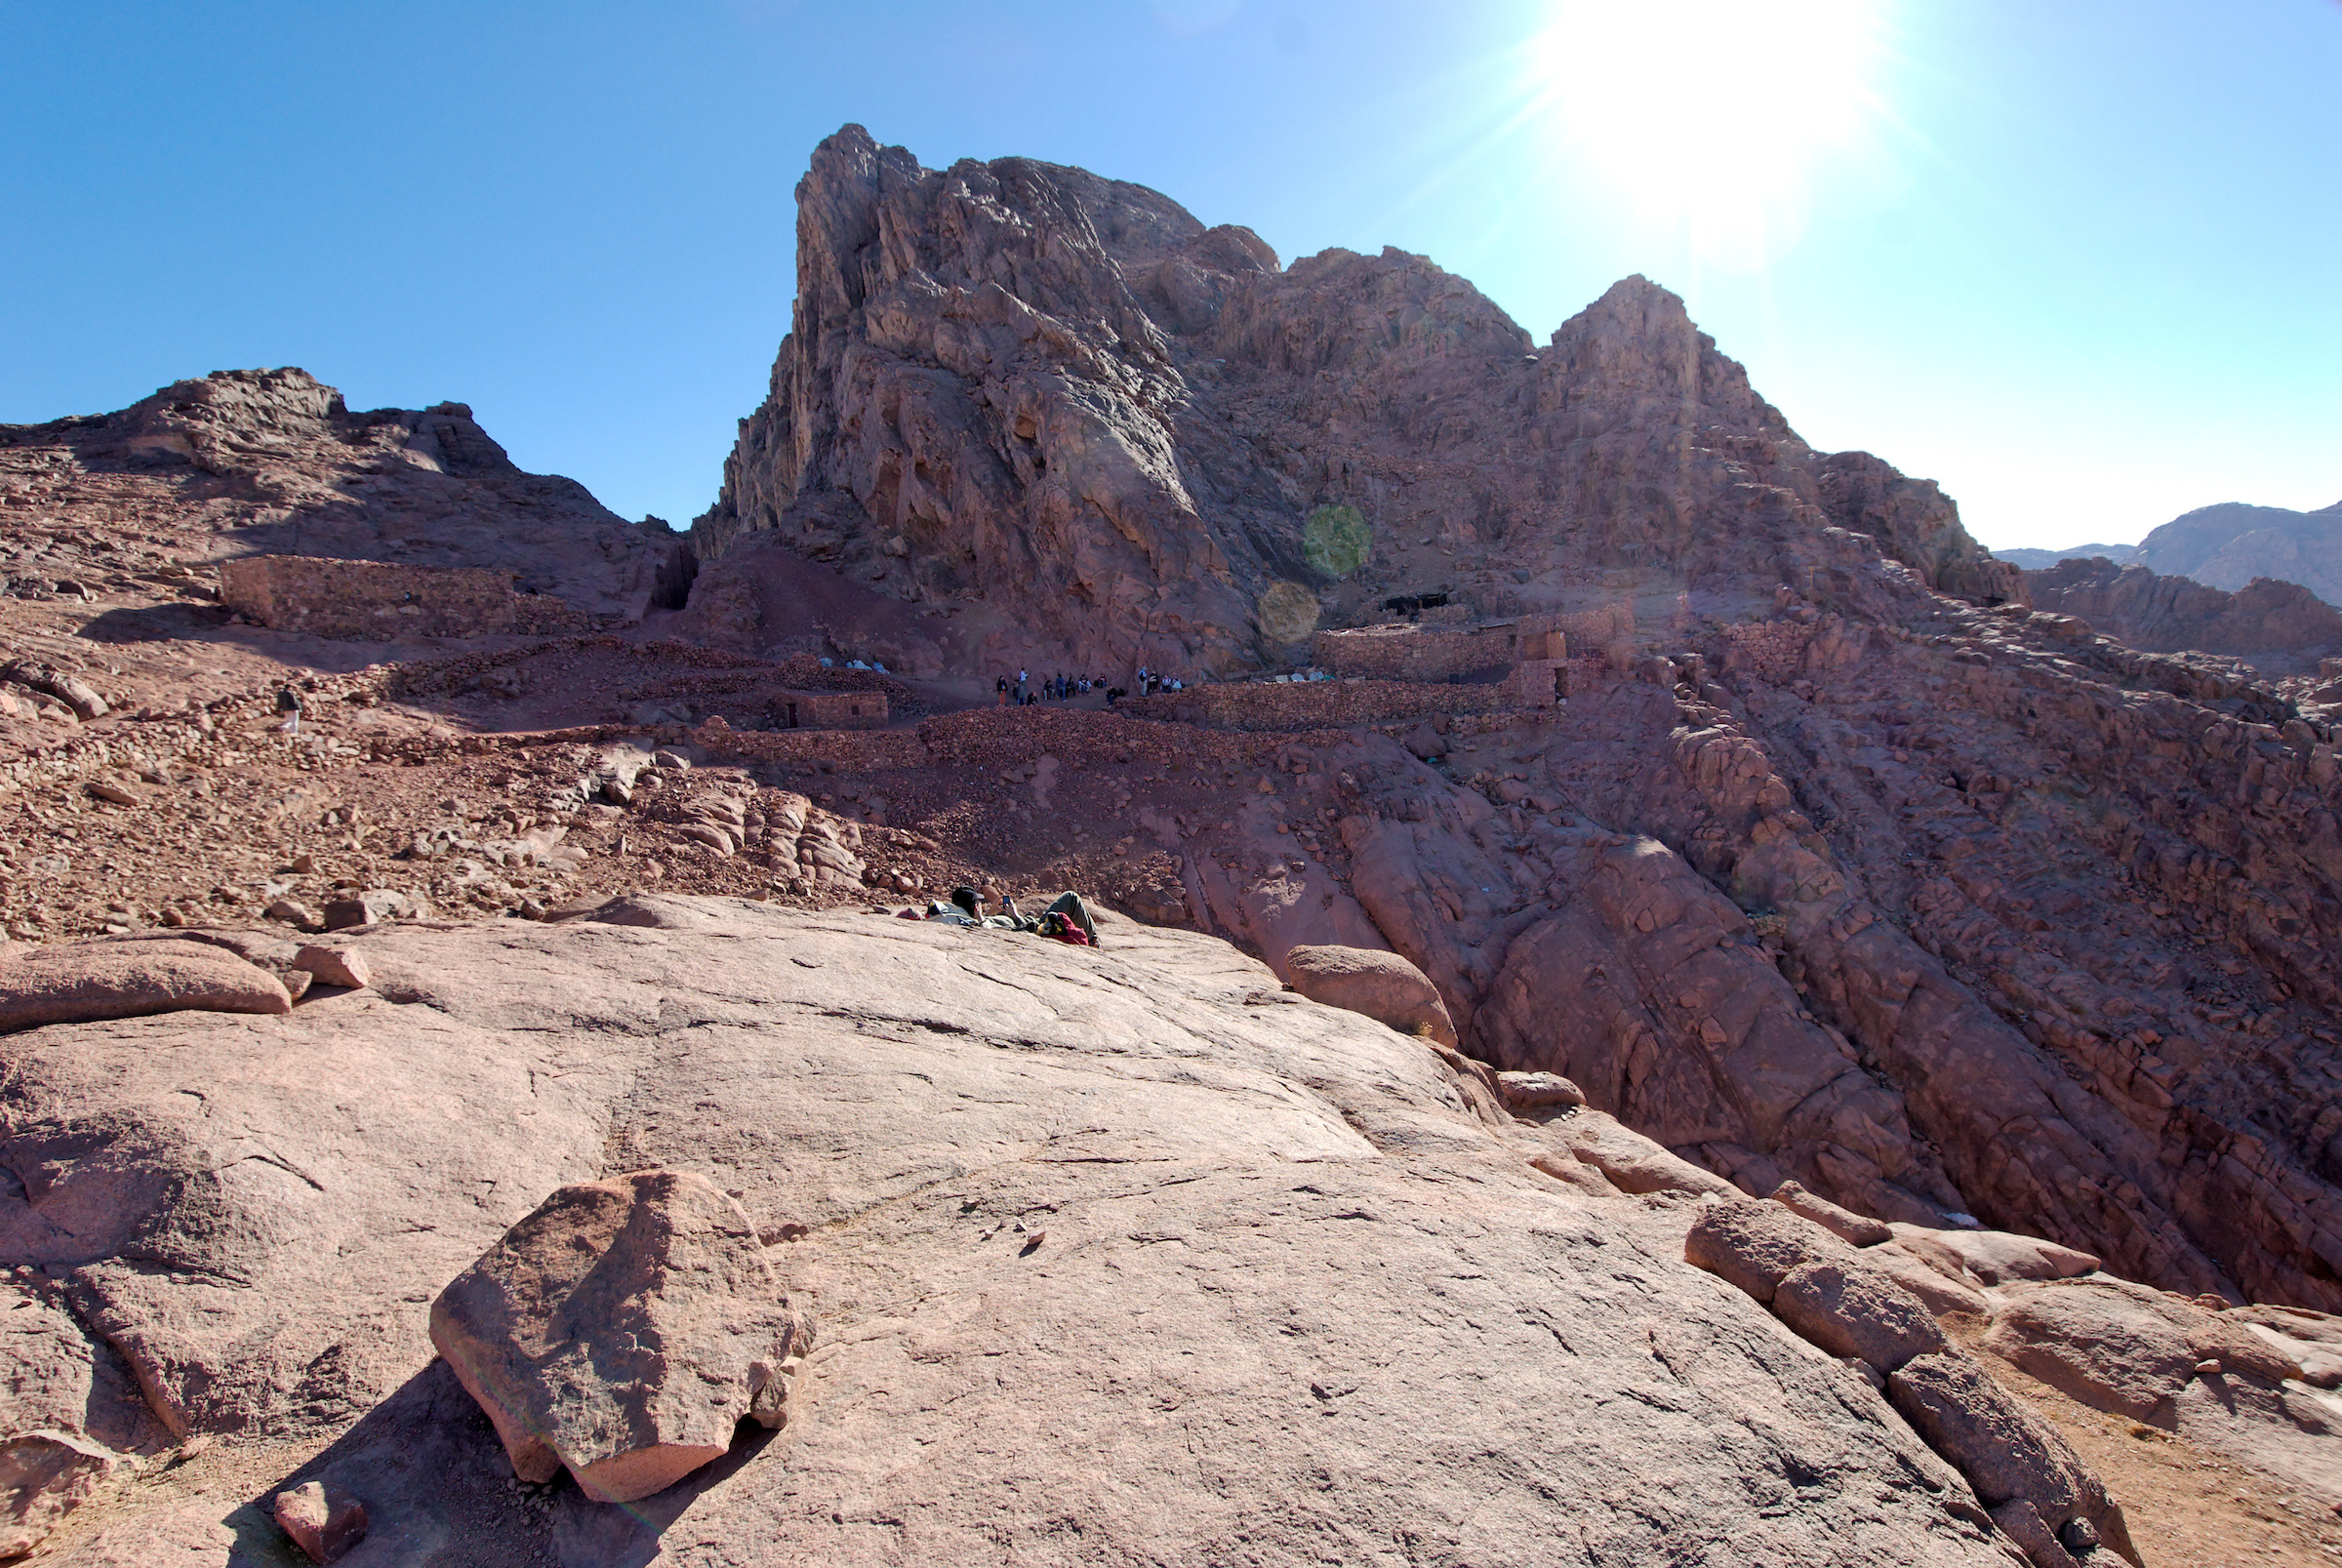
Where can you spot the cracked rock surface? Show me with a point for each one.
(1114, 1251)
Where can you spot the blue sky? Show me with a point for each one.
(2076, 261)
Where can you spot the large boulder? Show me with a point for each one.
(622, 1329)
(45, 1475)
(1383, 985)
(1755, 1246)
(1632, 1162)
(1850, 1309)
(1941, 1292)
(2127, 1348)
(1855, 1229)
(81, 980)
(1993, 1257)
(2007, 1455)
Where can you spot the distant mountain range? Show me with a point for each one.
(2227, 546)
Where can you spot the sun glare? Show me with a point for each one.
(1711, 118)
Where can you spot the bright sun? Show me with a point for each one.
(1713, 118)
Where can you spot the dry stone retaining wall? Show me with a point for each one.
(1340, 704)
(1403, 652)
(376, 599)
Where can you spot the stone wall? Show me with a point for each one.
(828, 710)
(377, 600)
(1410, 652)
(1598, 627)
(1773, 651)
(1340, 704)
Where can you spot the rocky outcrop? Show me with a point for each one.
(1060, 414)
(1087, 1214)
(276, 464)
(974, 402)
(2281, 628)
(1830, 1295)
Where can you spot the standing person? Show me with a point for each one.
(1000, 686)
(288, 703)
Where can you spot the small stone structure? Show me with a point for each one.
(1412, 651)
(828, 711)
(380, 600)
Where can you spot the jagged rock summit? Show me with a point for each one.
(1068, 421)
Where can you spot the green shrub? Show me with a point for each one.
(1337, 541)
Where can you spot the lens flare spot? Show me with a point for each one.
(1714, 118)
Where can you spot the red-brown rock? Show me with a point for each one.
(70, 983)
(621, 1330)
(323, 1521)
(1383, 985)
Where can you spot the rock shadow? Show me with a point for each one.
(439, 1493)
(155, 622)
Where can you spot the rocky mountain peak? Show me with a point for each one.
(1061, 414)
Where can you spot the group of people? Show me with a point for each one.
(1068, 919)
(1061, 688)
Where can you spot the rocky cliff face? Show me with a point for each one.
(2281, 628)
(1017, 390)
(244, 462)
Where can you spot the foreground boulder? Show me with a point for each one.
(1383, 985)
(335, 965)
(1755, 1246)
(622, 1329)
(82, 980)
(2038, 1488)
(1849, 1309)
(324, 1522)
